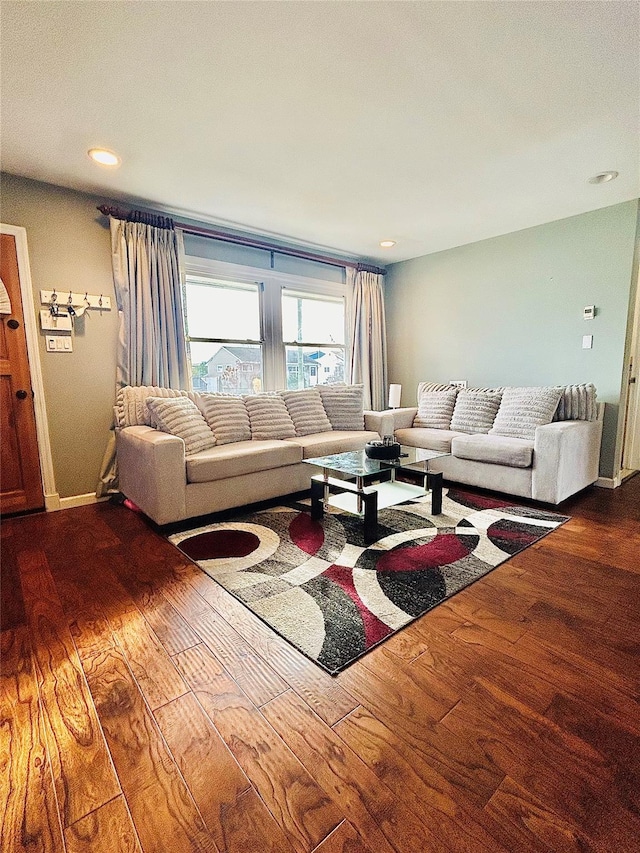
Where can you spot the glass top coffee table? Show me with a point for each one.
(354, 483)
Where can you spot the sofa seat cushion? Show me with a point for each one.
(495, 449)
(427, 438)
(338, 441)
(242, 457)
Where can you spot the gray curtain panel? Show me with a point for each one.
(367, 336)
(152, 349)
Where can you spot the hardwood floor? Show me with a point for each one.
(144, 709)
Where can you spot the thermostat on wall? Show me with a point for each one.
(589, 312)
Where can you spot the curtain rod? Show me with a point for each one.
(131, 215)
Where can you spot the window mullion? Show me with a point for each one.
(273, 352)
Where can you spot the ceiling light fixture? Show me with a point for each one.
(387, 244)
(104, 156)
(603, 178)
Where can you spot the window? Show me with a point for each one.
(223, 322)
(313, 335)
(250, 329)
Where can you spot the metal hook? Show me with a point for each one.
(70, 299)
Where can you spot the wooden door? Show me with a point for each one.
(20, 476)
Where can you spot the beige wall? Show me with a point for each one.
(69, 249)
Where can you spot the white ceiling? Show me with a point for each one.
(336, 124)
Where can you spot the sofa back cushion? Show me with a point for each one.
(269, 417)
(180, 416)
(475, 411)
(524, 409)
(433, 386)
(131, 403)
(435, 409)
(227, 417)
(577, 403)
(344, 405)
(306, 410)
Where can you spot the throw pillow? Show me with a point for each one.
(131, 403)
(269, 418)
(524, 409)
(577, 403)
(179, 416)
(306, 410)
(433, 386)
(475, 411)
(435, 409)
(344, 405)
(227, 417)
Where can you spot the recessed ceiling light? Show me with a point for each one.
(387, 244)
(603, 178)
(104, 156)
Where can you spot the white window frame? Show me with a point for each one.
(272, 283)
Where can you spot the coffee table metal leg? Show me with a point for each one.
(370, 516)
(317, 496)
(434, 482)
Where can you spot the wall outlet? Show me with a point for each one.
(459, 383)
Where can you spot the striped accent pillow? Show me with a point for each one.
(306, 410)
(475, 411)
(269, 418)
(131, 403)
(434, 386)
(435, 409)
(179, 416)
(344, 405)
(227, 417)
(524, 409)
(577, 403)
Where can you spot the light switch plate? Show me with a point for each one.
(587, 342)
(59, 343)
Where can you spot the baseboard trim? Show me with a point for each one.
(608, 482)
(55, 502)
(52, 502)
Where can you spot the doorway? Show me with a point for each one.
(631, 433)
(27, 473)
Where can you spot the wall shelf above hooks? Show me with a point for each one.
(98, 301)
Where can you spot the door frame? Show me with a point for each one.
(630, 438)
(51, 496)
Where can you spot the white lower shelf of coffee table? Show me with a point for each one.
(389, 494)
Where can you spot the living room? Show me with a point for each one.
(495, 147)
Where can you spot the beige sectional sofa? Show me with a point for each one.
(170, 484)
(547, 462)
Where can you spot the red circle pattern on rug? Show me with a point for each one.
(220, 543)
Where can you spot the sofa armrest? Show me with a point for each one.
(566, 458)
(403, 418)
(152, 472)
(380, 422)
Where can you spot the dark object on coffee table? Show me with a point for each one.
(380, 450)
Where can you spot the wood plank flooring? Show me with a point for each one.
(144, 710)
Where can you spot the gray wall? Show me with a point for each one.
(508, 311)
(69, 249)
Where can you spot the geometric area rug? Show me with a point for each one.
(320, 587)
